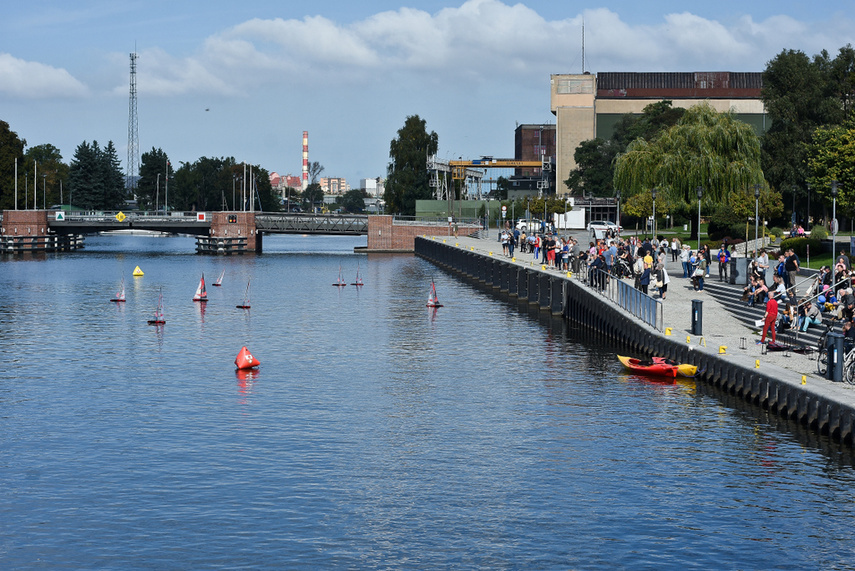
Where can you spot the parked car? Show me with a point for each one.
(533, 225)
(604, 225)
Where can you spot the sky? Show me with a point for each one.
(245, 79)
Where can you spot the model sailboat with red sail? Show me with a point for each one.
(158, 313)
(340, 282)
(120, 295)
(201, 294)
(433, 300)
(245, 304)
(358, 281)
(219, 280)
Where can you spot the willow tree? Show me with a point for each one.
(707, 149)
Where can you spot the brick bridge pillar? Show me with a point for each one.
(236, 225)
(25, 223)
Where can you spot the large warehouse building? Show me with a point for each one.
(587, 106)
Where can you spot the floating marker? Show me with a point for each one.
(245, 360)
(137, 272)
(722, 349)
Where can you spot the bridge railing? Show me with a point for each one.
(113, 216)
(631, 300)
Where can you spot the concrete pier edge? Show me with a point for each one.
(820, 406)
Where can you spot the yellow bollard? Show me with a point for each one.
(513, 259)
(722, 349)
(443, 241)
(757, 363)
(457, 244)
(688, 338)
(569, 274)
(491, 253)
(804, 379)
(471, 248)
(542, 267)
(703, 341)
(667, 331)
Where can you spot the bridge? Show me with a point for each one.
(199, 223)
(217, 232)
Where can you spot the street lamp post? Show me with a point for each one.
(756, 214)
(618, 209)
(700, 190)
(44, 192)
(157, 194)
(834, 219)
(653, 225)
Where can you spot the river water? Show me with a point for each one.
(377, 433)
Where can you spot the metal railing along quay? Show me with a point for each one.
(633, 301)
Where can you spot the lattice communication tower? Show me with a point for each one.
(133, 134)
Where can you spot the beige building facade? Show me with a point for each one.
(587, 106)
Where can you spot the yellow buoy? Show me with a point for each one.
(137, 272)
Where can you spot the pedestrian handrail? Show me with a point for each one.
(633, 301)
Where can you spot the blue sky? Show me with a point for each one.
(245, 79)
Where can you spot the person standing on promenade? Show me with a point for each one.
(770, 319)
(512, 241)
(685, 252)
(675, 248)
(762, 263)
(644, 279)
(723, 263)
(662, 280)
(701, 272)
(792, 267)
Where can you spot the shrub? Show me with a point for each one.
(800, 245)
(776, 231)
(819, 232)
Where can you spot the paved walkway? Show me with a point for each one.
(726, 322)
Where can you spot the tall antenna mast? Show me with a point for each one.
(133, 134)
(583, 45)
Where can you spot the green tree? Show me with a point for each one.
(594, 172)
(11, 152)
(51, 170)
(151, 186)
(831, 156)
(594, 158)
(704, 149)
(313, 196)
(114, 180)
(408, 178)
(797, 100)
(353, 201)
(85, 185)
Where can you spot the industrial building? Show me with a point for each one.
(588, 106)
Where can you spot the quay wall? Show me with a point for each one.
(773, 389)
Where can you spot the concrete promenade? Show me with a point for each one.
(721, 327)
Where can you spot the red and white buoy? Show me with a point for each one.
(245, 360)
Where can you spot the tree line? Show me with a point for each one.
(93, 180)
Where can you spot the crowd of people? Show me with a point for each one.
(829, 295)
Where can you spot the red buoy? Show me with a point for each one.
(245, 360)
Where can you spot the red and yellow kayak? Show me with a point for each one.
(658, 366)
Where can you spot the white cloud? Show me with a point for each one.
(482, 41)
(34, 80)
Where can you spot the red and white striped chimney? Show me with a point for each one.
(305, 159)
